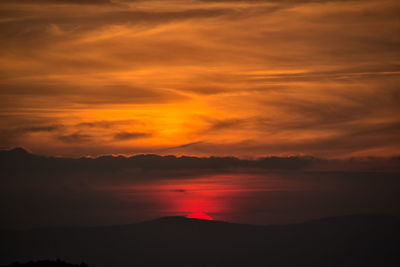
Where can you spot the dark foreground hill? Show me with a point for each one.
(360, 240)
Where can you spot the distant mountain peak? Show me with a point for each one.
(180, 219)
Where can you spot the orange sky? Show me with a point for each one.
(242, 78)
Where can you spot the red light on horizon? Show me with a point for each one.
(199, 215)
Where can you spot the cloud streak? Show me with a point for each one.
(130, 135)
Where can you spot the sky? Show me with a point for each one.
(262, 112)
(200, 77)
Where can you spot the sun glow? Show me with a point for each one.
(199, 215)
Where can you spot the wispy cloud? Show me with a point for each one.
(74, 138)
(130, 135)
(260, 76)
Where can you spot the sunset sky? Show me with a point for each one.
(262, 111)
(206, 77)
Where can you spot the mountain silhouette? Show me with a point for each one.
(358, 240)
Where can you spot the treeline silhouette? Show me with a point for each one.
(46, 263)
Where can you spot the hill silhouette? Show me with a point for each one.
(359, 240)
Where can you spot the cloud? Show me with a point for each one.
(63, 2)
(219, 125)
(181, 146)
(73, 94)
(105, 124)
(122, 136)
(154, 162)
(11, 135)
(178, 190)
(40, 128)
(256, 75)
(74, 138)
